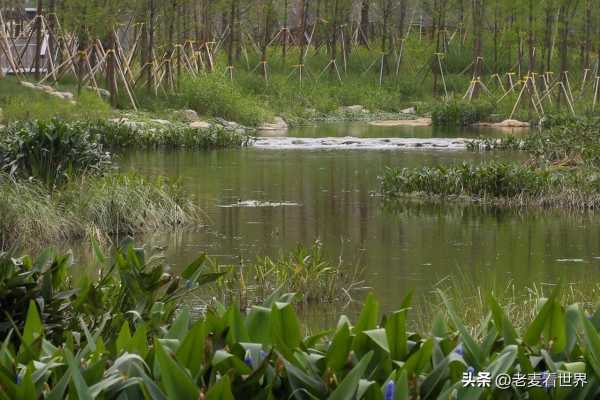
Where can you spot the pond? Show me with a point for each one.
(264, 201)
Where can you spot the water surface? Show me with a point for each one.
(265, 201)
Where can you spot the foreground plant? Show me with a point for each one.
(264, 353)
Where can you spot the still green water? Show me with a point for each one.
(332, 196)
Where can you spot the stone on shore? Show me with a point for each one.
(200, 125)
(278, 124)
(507, 123)
(402, 122)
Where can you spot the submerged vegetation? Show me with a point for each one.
(123, 334)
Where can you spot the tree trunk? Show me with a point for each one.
(151, 32)
(364, 23)
(39, 38)
(111, 80)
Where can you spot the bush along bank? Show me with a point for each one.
(120, 336)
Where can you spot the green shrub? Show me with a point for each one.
(215, 95)
(461, 113)
(52, 152)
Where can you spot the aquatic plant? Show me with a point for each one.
(51, 151)
(130, 286)
(123, 135)
(460, 113)
(265, 354)
(305, 271)
(499, 183)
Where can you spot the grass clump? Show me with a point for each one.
(51, 152)
(99, 207)
(305, 271)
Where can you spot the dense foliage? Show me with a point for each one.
(461, 113)
(119, 337)
(495, 179)
(51, 152)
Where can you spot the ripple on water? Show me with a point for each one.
(258, 203)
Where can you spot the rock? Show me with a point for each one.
(63, 95)
(161, 121)
(240, 131)
(410, 110)
(102, 92)
(355, 109)
(200, 125)
(507, 123)
(278, 124)
(126, 122)
(46, 88)
(189, 115)
(403, 122)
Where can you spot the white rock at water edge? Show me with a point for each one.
(410, 110)
(200, 125)
(189, 115)
(355, 109)
(278, 124)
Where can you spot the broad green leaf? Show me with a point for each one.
(181, 325)
(368, 316)
(221, 390)
(82, 389)
(502, 322)
(592, 342)
(194, 267)
(555, 330)
(124, 338)
(176, 382)
(258, 324)
(300, 381)
(470, 345)
(190, 353)
(337, 355)
(34, 328)
(348, 387)
(536, 328)
(395, 328)
(237, 329)
(418, 361)
(285, 327)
